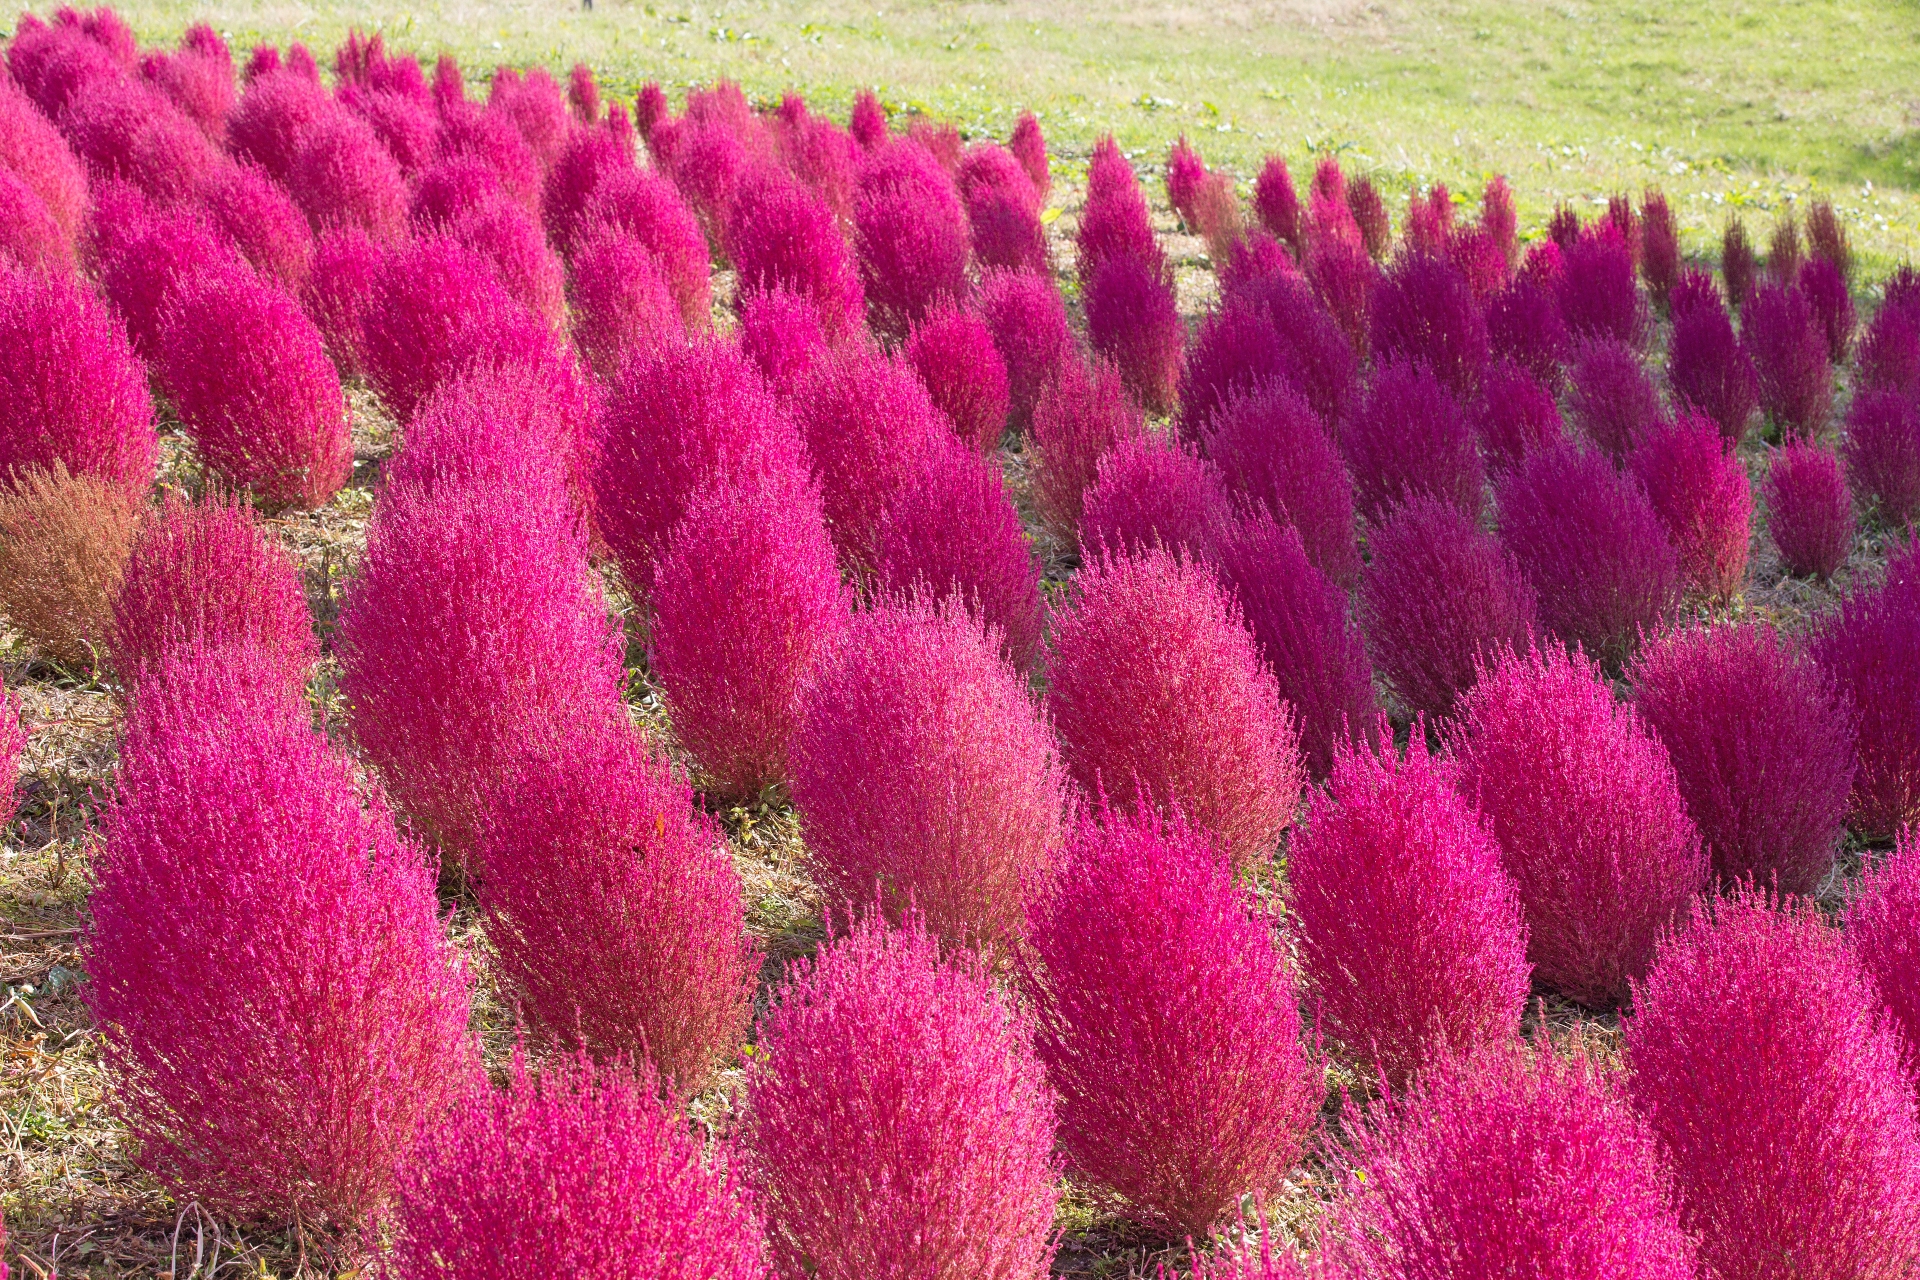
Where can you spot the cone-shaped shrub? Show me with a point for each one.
(1524, 326)
(1592, 547)
(1710, 369)
(1613, 401)
(1516, 416)
(1737, 263)
(272, 117)
(1314, 355)
(612, 906)
(1133, 321)
(923, 767)
(29, 236)
(279, 1005)
(1584, 1189)
(1409, 930)
(780, 332)
(910, 234)
(868, 120)
(407, 128)
(1588, 813)
(898, 1120)
(1115, 222)
(145, 253)
(1175, 1047)
(1883, 926)
(64, 541)
(1345, 279)
(1299, 618)
(746, 603)
(1889, 355)
(1271, 447)
(1369, 213)
(1440, 600)
(1832, 303)
(1003, 210)
(1411, 437)
(124, 129)
(1423, 312)
(620, 300)
(1152, 491)
(1783, 250)
(429, 299)
(579, 1170)
(952, 350)
(1659, 246)
(1871, 649)
(1809, 512)
(868, 424)
(254, 212)
(1185, 172)
(468, 133)
(1029, 147)
(1277, 207)
(537, 106)
(1029, 324)
(205, 573)
(1699, 490)
(1790, 359)
(1882, 451)
(1083, 414)
(249, 376)
(1763, 1057)
(346, 271)
(1597, 294)
(591, 157)
(506, 236)
(1139, 634)
(1234, 349)
(953, 530)
(71, 389)
(784, 237)
(1762, 746)
(343, 177)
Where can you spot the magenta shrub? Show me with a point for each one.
(538, 108)
(898, 1121)
(1152, 491)
(1029, 147)
(867, 122)
(1524, 326)
(1133, 321)
(1137, 635)
(1762, 747)
(1882, 452)
(29, 237)
(124, 129)
(1277, 207)
(347, 265)
(430, 298)
(512, 244)
(952, 350)
(249, 376)
(145, 253)
(1369, 213)
(910, 234)
(1597, 294)
(1234, 350)
(1789, 350)
(1764, 1059)
(646, 206)
(1441, 600)
(466, 132)
(270, 121)
(1870, 647)
(343, 177)
(1827, 293)
(279, 1006)
(407, 127)
(1592, 547)
(1516, 416)
(1409, 930)
(1699, 489)
(257, 215)
(205, 574)
(1423, 312)
(1612, 400)
(780, 332)
(785, 237)
(198, 78)
(1185, 172)
(1583, 1188)
(1809, 512)
(1888, 358)
(1029, 324)
(1411, 437)
(1659, 246)
(612, 905)
(591, 157)
(71, 389)
(621, 301)
(1003, 210)
(1083, 414)
(1272, 448)
(1115, 222)
(36, 153)
(1708, 366)
(1883, 928)
(1588, 813)
(1176, 1050)
(1306, 347)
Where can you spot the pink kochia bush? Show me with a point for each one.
(280, 1008)
(71, 389)
(910, 233)
(1152, 491)
(205, 573)
(254, 212)
(1613, 401)
(1029, 323)
(1588, 813)
(143, 253)
(1870, 647)
(620, 300)
(898, 1121)
(1423, 312)
(746, 602)
(952, 350)
(340, 289)
(1882, 450)
(1083, 414)
(923, 770)
(13, 742)
(1707, 365)
(1592, 547)
(780, 332)
(579, 1171)
(1412, 437)
(1790, 357)
(1272, 448)
(249, 376)
(1768, 1066)
(430, 301)
(784, 237)
(1596, 288)
(646, 206)
(1762, 749)
(1700, 492)
(1115, 222)
(1175, 1046)
(1809, 511)
(613, 907)
(1410, 933)
(1140, 634)
(1132, 320)
(1883, 926)
(1507, 1162)
(1516, 415)
(1441, 600)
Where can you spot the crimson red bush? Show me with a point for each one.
(1083, 414)
(1272, 448)
(1411, 437)
(952, 350)
(1699, 489)
(1809, 511)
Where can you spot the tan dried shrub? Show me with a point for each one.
(64, 543)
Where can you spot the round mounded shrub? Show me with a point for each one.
(1153, 491)
(1597, 292)
(1612, 400)
(1789, 350)
(1699, 490)
(1029, 324)
(1883, 927)
(1587, 809)
(1134, 321)
(1422, 312)
(1411, 437)
(1083, 415)
(1708, 367)
(1271, 447)
(1870, 647)
(1809, 511)
(910, 233)
(1882, 452)
(620, 301)
(342, 177)
(1516, 416)
(645, 206)
(429, 300)
(340, 290)
(1524, 326)
(952, 350)
(784, 237)
(64, 542)
(780, 332)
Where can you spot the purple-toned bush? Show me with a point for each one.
(580, 1170)
(256, 214)
(1762, 1055)
(1827, 238)
(1271, 447)
(1699, 490)
(923, 771)
(1003, 210)
(1789, 351)
(953, 530)
(1411, 437)
(1593, 548)
(340, 290)
(1083, 415)
(780, 332)
(646, 206)
(1423, 312)
(1441, 600)
(1515, 416)
(1597, 294)
(1888, 358)
(1612, 400)
(1152, 491)
(343, 177)
(1331, 217)
(1588, 813)
(1871, 649)
(1029, 147)
(1176, 1050)
(1783, 250)
(431, 300)
(1882, 451)
(898, 1121)
(1029, 324)
(1524, 326)
(1883, 927)
(1659, 246)
(13, 742)
(1809, 512)
(1582, 1188)
(1762, 747)
(1709, 368)
(1299, 619)
(1832, 303)
(1409, 930)
(124, 129)
(612, 906)
(249, 376)
(910, 234)
(205, 574)
(591, 157)
(1133, 321)
(34, 151)
(952, 350)
(1737, 264)
(1277, 207)
(280, 1009)
(145, 252)
(71, 389)
(1369, 214)
(1345, 279)
(867, 122)
(1234, 349)
(1137, 636)
(1115, 222)
(784, 237)
(620, 300)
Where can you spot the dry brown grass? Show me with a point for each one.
(64, 543)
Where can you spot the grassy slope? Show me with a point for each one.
(1742, 104)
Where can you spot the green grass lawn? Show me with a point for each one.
(1725, 105)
